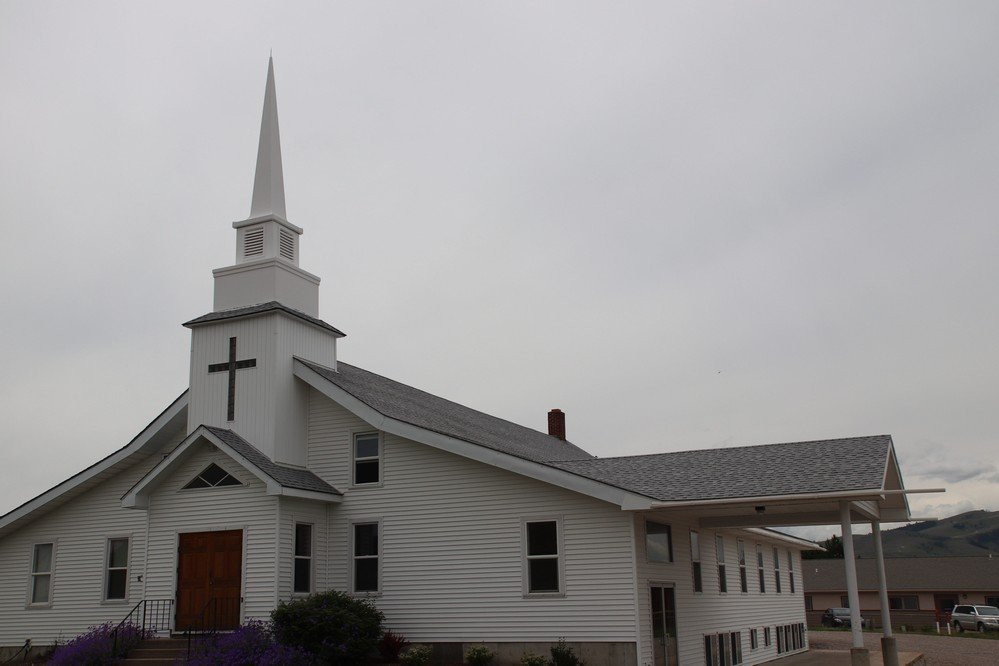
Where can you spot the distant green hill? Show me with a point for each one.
(971, 533)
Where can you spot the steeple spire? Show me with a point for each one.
(268, 182)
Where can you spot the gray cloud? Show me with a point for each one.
(685, 225)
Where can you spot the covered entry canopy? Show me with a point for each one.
(793, 483)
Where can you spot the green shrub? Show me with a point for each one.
(417, 655)
(335, 627)
(562, 655)
(533, 660)
(479, 655)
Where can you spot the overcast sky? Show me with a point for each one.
(688, 225)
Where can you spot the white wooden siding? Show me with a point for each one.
(80, 528)
(451, 547)
(708, 612)
(247, 508)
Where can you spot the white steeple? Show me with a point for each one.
(266, 267)
(268, 183)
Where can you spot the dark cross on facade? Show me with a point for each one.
(231, 366)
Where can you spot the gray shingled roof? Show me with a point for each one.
(405, 403)
(288, 477)
(260, 309)
(926, 574)
(855, 463)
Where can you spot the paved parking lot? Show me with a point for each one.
(938, 650)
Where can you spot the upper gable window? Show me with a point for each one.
(211, 477)
(367, 458)
(658, 542)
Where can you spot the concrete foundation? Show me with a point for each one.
(510, 654)
(860, 657)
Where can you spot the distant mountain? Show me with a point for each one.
(971, 533)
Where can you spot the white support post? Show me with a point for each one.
(857, 653)
(889, 650)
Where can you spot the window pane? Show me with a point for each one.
(657, 542)
(695, 547)
(117, 579)
(366, 446)
(542, 538)
(366, 471)
(303, 571)
(366, 539)
(197, 482)
(213, 474)
(720, 549)
(543, 575)
(228, 480)
(697, 577)
(40, 589)
(118, 553)
(303, 539)
(366, 575)
(43, 558)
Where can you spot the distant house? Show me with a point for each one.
(921, 590)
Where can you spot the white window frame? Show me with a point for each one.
(767, 639)
(354, 459)
(754, 639)
(311, 557)
(761, 576)
(32, 574)
(790, 570)
(107, 568)
(669, 536)
(352, 558)
(696, 573)
(559, 556)
(740, 547)
(777, 588)
(720, 564)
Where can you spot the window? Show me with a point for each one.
(367, 458)
(808, 602)
(790, 570)
(759, 570)
(742, 565)
(776, 571)
(720, 553)
(116, 577)
(766, 636)
(754, 639)
(844, 601)
(904, 602)
(992, 601)
(790, 637)
(211, 477)
(303, 559)
(41, 573)
(723, 649)
(366, 557)
(658, 542)
(695, 561)
(542, 557)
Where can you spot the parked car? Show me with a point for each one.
(980, 618)
(839, 617)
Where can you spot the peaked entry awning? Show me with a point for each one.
(279, 479)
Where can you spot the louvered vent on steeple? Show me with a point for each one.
(253, 242)
(287, 242)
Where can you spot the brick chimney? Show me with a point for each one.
(556, 423)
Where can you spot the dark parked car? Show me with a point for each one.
(839, 617)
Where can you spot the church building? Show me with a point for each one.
(282, 470)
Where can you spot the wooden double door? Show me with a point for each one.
(209, 580)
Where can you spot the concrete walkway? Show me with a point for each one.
(842, 658)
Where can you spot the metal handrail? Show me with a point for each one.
(206, 626)
(153, 616)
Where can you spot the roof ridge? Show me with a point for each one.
(730, 448)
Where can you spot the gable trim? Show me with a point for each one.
(138, 496)
(522, 466)
(175, 411)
